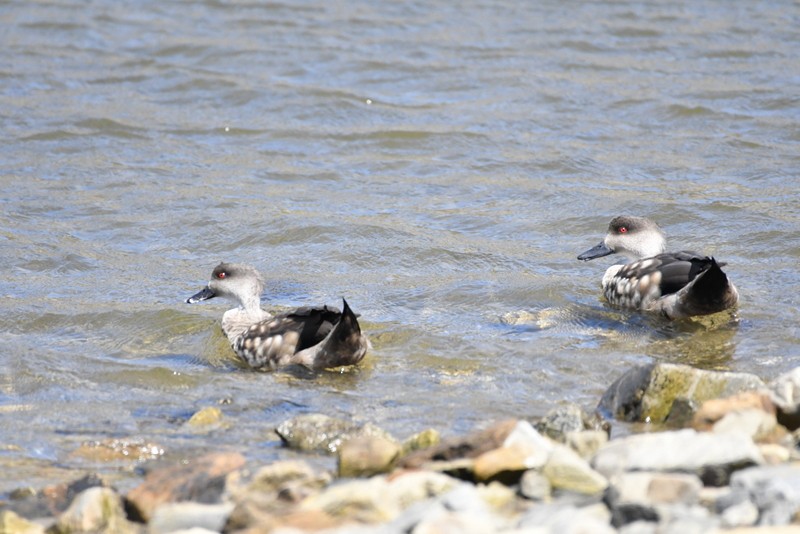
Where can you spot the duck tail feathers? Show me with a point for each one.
(344, 345)
(710, 292)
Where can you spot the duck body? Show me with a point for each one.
(673, 284)
(317, 337)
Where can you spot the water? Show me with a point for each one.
(439, 164)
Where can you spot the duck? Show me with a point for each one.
(673, 284)
(320, 337)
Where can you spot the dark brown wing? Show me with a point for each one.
(677, 269)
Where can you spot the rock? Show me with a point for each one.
(646, 394)
(200, 479)
(378, 499)
(421, 440)
(53, 500)
(471, 446)
(774, 490)
(207, 417)
(535, 447)
(657, 488)
(320, 433)
(535, 486)
(715, 409)
(758, 424)
(119, 450)
(567, 518)
(785, 393)
(272, 490)
(366, 456)
(561, 421)
(711, 456)
(587, 442)
(11, 523)
(446, 521)
(96, 510)
(743, 514)
(171, 517)
(506, 464)
(567, 471)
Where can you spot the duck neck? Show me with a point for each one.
(237, 320)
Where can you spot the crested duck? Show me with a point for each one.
(674, 284)
(316, 337)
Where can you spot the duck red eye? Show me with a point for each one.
(623, 230)
(221, 275)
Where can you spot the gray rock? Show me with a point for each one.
(172, 517)
(366, 456)
(743, 514)
(535, 486)
(657, 488)
(321, 433)
(647, 394)
(567, 518)
(567, 471)
(774, 490)
(587, 442)
(711, 456)
(785, 392)
(96, 510)
(561, 421)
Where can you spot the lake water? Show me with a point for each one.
(439, 164)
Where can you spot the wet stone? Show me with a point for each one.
(200, 479)
(647, 393)
(367, 455)
(321, 433)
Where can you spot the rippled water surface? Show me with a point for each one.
(439, 164)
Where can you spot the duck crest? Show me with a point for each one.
(317, 337)
(674, 284)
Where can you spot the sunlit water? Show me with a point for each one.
(438, 164)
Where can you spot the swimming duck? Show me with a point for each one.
(675, 284)
(317, 337)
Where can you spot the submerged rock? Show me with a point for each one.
(647, 393)
(321, 433)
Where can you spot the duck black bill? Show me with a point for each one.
(597, 251)
(205, 294)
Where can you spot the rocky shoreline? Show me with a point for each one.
(717, 452)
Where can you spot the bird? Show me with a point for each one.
(673, 284)
(319, 337)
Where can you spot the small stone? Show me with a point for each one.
(535, 447)
(471, 446)
(657, 488)
(117, 450)
(171, 517)
(366, 456)
(785, 393)
(561, 421)
(743, 514)
(421, 440)
(774, 489)
(774, 454)
(54, 499)
(505, 464)
(757, 424)
(206, 417)
(567, 471)
(587, 442)
(96, 510)
(535, 486)
(320, 433)
(713, 410)
(564, 517)
(11, 523)
(200, 479)
(711, 456)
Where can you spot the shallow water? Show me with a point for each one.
(439, 165)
